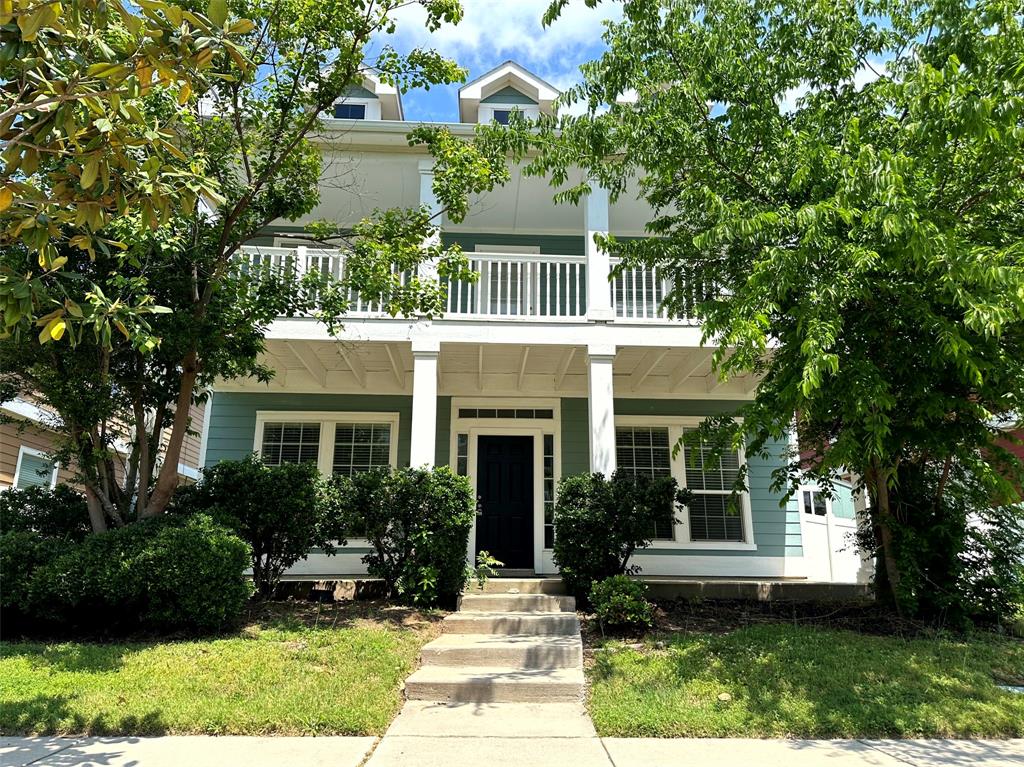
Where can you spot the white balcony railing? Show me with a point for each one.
(510, 285)
(521, 286)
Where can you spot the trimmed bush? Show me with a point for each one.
(161, 574)
(600, 522)
(282, 512)
(418, 523)
(57, 513)
(621, 602)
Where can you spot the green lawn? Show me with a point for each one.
(781, 680)
(295, 670)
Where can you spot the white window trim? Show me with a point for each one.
(812, 516)
(327, 419)
(24, 450)
(325, 451)
(675, 425)
(373, 109)
(486, 114)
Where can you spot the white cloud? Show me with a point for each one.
(511, 29)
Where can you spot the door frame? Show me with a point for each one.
(476, 427)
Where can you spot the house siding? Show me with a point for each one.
(776, 528)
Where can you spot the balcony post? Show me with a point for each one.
(595, 214)
(423, 431)
(601, 408)
(428, 200)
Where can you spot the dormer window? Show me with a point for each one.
(508, 88)
(350, 111)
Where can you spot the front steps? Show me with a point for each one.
(516, 642)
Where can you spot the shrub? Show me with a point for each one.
(157, 574)
(22, 552)
(282, 512)
(600, 522)
(57, 513)
(417, 522)
(620, 601)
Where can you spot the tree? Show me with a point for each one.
(149, 326)
(837, 190)
(79, 146)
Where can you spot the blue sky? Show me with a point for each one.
(493, 31)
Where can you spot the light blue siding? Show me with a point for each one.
(776, 528)
(508, 95)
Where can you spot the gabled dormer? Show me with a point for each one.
(505, 89)
(371, 100)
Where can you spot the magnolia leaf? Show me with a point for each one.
(217, 10)
(6, 198)
(90, 171)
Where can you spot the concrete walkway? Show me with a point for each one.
(550, 745)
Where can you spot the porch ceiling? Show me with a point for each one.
(494, 370)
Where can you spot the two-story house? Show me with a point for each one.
(544, 368)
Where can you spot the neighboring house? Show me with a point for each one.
(542, 369)
(26, 441)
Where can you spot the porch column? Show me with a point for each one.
(428, 200)
(601, 407)
(424, 402)
(595, 213)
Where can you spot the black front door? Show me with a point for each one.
(504, 527)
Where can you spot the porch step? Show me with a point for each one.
(519, 603)
(511, 650)
(537, 624)
(521, 586)
(495, 685)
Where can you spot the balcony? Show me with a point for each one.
(511, 286)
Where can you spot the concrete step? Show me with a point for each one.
(519, 586)
(517, 603)
(495, 685)
(513, 650)
(538, 624)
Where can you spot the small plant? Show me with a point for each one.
(621, 602)
(486, 568)
(60, 513)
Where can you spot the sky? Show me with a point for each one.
(493, 31)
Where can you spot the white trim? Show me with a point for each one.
(326, 419)
(536, 428)
(188, 472)
(204, 436)
(28, 411)
(675, 425)
(24, 450)
(699, 565)
(486, 111)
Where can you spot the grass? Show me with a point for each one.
(799, 681)
(292, 670)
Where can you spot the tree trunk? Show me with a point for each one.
(892, 571)
(167, 479)
(96, 516)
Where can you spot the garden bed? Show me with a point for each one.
(807, 671)
(294, 668)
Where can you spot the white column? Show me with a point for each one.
(428, 200)
(601, 406)
(595, 214)
(424, 402)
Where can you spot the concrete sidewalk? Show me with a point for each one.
(544, 746)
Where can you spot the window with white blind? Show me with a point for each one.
(339, 443)
(716, 518)
(34, 469)
(714, 512)
(285, 442)
(645, 450)
(360, 447)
